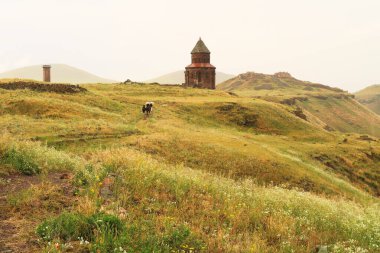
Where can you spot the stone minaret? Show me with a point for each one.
(200, 73)
(46, 69)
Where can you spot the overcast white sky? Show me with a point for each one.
(335, 42)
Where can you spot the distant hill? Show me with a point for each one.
(370, 97)
(178, 77)
(256, 83)
(60, 73)
(328, 107)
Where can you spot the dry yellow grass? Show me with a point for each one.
(219, 173)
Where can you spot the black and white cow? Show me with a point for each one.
(147, 108)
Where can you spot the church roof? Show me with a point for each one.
(200, 47)
(200, 65)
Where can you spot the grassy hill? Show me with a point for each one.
(208, 171)
(60, 73)
(330, 108)
(370, 97)
(178, 77)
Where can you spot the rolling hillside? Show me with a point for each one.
(330, 108)
(208, 171)
(370, 97)
(178, 77)
(60, 73)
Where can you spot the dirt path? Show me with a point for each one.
(24, 202)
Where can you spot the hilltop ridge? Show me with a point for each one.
(281, 80)
(61, 73)
(370, 97)
(328, 107)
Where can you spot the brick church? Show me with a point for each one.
(200, 73)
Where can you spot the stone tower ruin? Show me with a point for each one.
(200, 73)
(46, 71)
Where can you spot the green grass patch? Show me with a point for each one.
(22, 162)
(107, 233)
(75, 226)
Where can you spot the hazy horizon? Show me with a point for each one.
(334, 43)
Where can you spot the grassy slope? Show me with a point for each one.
(189, 127)
(335, 108)
(216, 132)
(180, 209)
(370, 97)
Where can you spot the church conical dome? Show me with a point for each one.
(200, 47)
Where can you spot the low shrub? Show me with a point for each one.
(108, 232)
(180, 239)
(66, 226)
(22, 162)
(84, 177)
(106, 223)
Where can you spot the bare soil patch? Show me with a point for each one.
(25, 201)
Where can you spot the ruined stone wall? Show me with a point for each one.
(283, 75)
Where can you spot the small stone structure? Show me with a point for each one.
(46, 71)
(200, 73)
